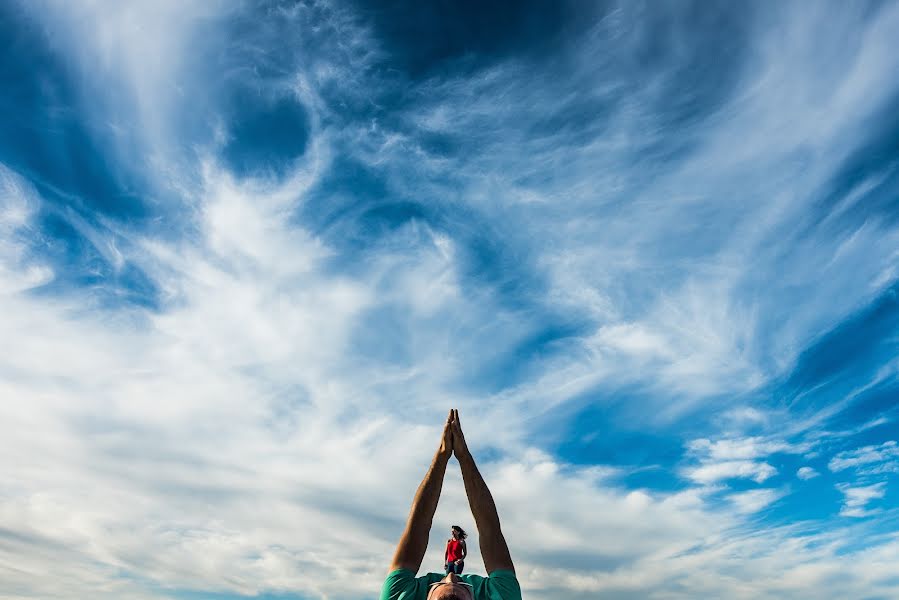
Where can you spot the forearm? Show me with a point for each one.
(494, 549)
(428, 495)
(414, 542)
(479, 498)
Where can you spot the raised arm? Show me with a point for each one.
(414, 542)
(494, 549)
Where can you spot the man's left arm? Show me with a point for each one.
(414, 542)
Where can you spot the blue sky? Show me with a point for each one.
(251, 253)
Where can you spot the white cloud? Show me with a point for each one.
(746, 416)
(731, 469)
(885, 457)
(806, 473)
(752, 501)
(18, 203)
(747, 448)
(735, 457)
(855, 499)
(633, 339)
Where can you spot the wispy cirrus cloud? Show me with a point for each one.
(857, 498)
(868, 460)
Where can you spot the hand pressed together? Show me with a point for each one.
(452, 440)
(460, 448)
(446, 438)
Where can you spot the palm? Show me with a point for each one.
(446, 441)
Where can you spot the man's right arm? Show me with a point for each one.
(494, 549)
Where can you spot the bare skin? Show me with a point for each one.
(413, 543)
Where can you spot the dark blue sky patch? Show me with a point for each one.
(594, 429)
(596, 443)
(445, 37)
(505, 366)
(489, 258)
(849, 353)
(654, 478)
(76, 262)
(645, 45)
(866, 186)
(381, 220)
(266, 135)
(880, 401)
(495, 260)
(47, 132)
(700, 76)
(438, 144)
(78, 265)
(633, 47)
(815, 499)
(357, 229)
(62, 245)
(347, 190)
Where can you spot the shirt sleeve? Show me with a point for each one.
(402, 584)
(500, 585)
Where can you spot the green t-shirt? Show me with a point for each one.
(402, 584)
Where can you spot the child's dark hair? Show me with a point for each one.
(462, 534)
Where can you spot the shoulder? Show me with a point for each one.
(506, 583)
(402, 584)
(499, 585)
